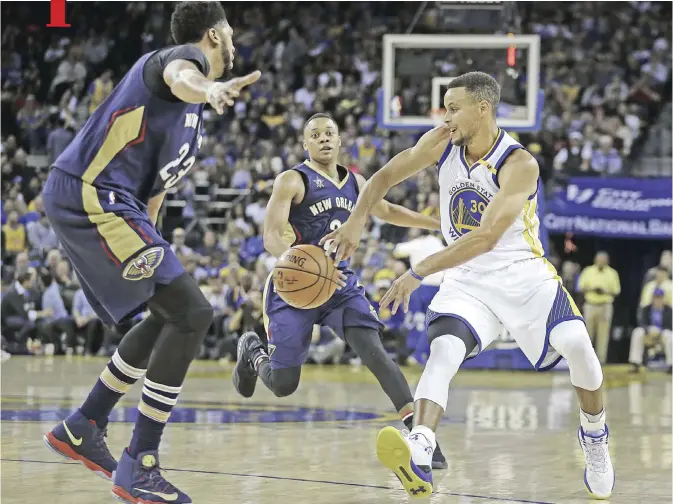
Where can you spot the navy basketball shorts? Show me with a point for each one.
(116, 251)
(289, 329)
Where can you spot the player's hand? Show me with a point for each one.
(341, 279)
(222, 94)
(400, 292)
(343, 241)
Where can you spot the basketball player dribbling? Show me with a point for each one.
(102, 198)
(496, 276)
(307, 202)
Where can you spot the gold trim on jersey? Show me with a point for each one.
(337, 183)
(265, 292)
(122, 240)
(482, 161)
(124, 130)
(289, 236)
(530, 232)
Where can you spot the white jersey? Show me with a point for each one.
(464, 193)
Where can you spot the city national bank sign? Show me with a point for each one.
(616, 208)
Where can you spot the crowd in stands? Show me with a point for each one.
(605, 71)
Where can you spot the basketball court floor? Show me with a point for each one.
(509, 438)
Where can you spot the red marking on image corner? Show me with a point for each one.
(57, 14)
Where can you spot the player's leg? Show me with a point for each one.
(549, 325)
(637, 348)
(452, 338)
(186, 315)
(289, 333)
(572, 341)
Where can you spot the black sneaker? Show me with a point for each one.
(245, 376)
(438, 459)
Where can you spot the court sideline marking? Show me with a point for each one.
(301, 480)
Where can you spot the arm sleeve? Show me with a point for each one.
(153, 72)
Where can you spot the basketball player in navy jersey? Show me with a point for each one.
(102, 198)
(307, 202)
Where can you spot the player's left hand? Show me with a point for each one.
(400, 292)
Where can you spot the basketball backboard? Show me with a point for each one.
(417, 69)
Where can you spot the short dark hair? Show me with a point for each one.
(480, 86)
(24, 276)
(191, 20)
(319, 115)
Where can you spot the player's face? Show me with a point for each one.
(321, 140)
(225, 43)
(463, 115)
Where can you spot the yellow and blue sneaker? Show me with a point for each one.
(139, 481)
(396, 451)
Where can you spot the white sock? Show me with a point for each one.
(592, 423)
(427, 433)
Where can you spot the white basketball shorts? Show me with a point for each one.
(526, 298)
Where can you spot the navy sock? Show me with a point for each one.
(115, 380)
(155, 408)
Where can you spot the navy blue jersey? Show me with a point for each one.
(327, 204)
(137, 141)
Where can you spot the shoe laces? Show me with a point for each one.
(153, 478)
(421, 440)
(596, 450)
(99, 436)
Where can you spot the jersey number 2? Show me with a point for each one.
(333, 226)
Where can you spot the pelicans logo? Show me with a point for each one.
(467, 203)
(144, 264)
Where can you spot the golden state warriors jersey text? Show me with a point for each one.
(466, 189)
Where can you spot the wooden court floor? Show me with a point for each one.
(509, 438)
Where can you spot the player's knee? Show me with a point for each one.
(181, 303)
(571, 340)
(638, 333)
(448, 346)
(284, 386)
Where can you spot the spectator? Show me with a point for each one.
(600, 285)
(573, 159)
(58, 320)
(606, 160)
(99, 90)
(20, 318)
(662, 282)
(654, 329)
(13, 236)
(41, 235)
(178, 245)
(87, 323)
(58, 139)
(665, 261)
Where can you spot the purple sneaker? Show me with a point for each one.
(78, 438)
(139, 481)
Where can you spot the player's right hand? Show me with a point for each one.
(222, 94)
(343, 241)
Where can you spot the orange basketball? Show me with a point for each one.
(304, 277)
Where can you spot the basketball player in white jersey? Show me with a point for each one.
(496, 276)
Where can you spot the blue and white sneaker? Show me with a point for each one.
(599, 476)
(395, 449)
(78, 438)
(139, 481)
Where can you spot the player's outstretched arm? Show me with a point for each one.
(518, 180)
(399, 215)
(407, 163)
(287, 187)
(190, 85)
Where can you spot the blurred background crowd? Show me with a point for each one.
(606, 76)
